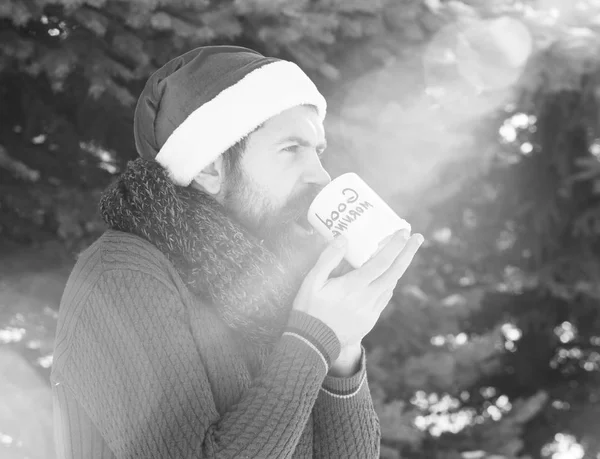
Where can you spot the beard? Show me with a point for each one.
(250, 205)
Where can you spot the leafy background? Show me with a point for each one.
(477, 120)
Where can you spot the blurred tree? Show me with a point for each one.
(494, 334)
(489, 348)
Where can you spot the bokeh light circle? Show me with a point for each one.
(471, 57)
(491, 54)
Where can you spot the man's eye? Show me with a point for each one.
(292, 148)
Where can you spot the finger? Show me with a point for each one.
(380, 262)
(329, 259)
(399, 266)
(343, 268)
(383, 300)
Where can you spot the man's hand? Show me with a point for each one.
(351, 304)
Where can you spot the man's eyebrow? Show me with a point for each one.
(302, 142)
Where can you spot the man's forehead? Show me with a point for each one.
(302, 122)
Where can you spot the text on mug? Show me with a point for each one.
(345, 214)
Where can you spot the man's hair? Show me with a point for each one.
(232, 157)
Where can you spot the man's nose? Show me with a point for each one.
(315, 173)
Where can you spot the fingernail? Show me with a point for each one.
(420, 239)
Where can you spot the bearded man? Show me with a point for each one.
(206, 323)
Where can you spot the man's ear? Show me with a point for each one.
(211, 178)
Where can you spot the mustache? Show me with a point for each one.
(298, 206)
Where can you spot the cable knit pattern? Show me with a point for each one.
(143, 370)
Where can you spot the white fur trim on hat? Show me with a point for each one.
(235, 112)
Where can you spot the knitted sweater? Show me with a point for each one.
(143, 369)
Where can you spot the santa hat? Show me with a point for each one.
(201, 103)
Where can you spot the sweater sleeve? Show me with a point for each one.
(345, 422)
(133, 365)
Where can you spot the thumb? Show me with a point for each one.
(329, 259)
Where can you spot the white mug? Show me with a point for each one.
(349, 207)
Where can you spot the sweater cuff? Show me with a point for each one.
(344, 388)
(314, 333)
